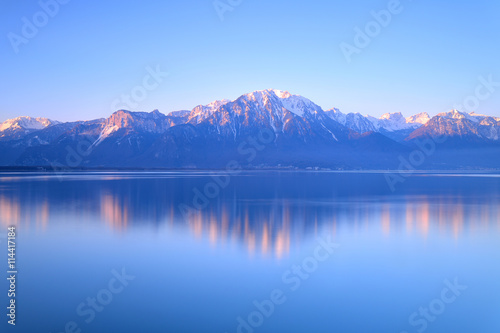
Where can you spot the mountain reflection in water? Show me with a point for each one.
(266, 213)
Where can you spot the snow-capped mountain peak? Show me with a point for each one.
(421, 118)
(337, 115)
(280, 93)
(151, 122)
(396, 116)
(26, 123)
(474, 114)
(455, 114)
(461, 126)
(216, 104)
(202, 112)
(355, 121)
(297, 131)
(296, 104)
(393, 125)
(393, 122)
(480, 117)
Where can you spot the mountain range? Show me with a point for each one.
(262, 129)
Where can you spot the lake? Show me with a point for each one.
(263, 251)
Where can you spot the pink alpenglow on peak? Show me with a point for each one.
(27, 123)
(280, 93)
(421, 118)
(202, 112)
(296, 104)
(455, 114)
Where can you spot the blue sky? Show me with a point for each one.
(428, 58)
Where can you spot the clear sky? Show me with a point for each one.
(80, 61)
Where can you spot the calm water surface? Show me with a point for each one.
(199, 252)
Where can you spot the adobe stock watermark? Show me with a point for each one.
(140, 92)
(223, 6)
(407, 166)
(220, 180)
(74, 156)
(372, 29)
(421, 319)
(292, 279)
(483, 91)
(88, 309)
(428, 146)
(31, 26)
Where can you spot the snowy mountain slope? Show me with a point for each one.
(289, 116)
(392, 125)
(202, 112)
(354, 121)
(469, 127)
(297, 130)
(16, 128)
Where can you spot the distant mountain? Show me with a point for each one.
(267, 128)
(392, 125)
(353, 121)
(202, 112)
(460, 128)
(421, 118)
(12, 149)
(180, 113)
(290, 117)
(293, 123)
(19, 127)
(123, 123)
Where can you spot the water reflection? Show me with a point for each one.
(266, 213)
(10, 210)
(113, 211)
